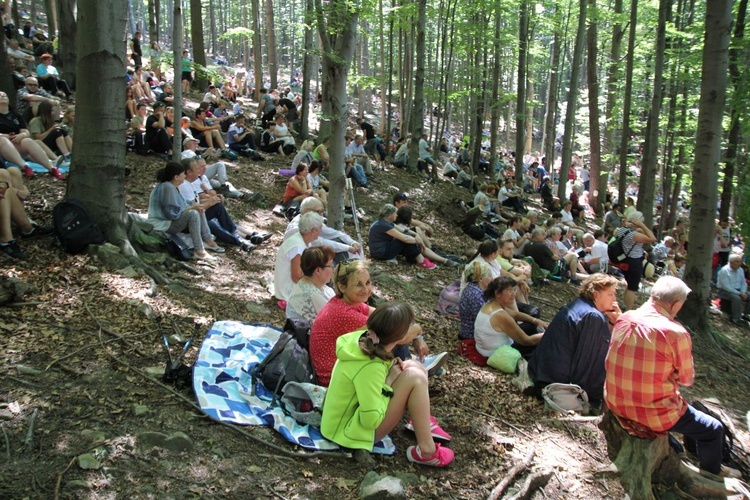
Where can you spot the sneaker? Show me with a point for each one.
(12, 250)
(281, 304)
(251, 197)
(37, 231)
(259, 238)
(203, 256)
(427, 264)
(27, 172)
(215, 248)
(436, 431)
(246, 246)
(433, 362)
(441, 458)
(452, 263)
(59, 161)
(574, 282)
(54, 172)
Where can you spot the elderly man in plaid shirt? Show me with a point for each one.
(650, 356)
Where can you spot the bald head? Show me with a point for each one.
(32, 82)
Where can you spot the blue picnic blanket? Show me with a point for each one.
(222, 384)
(39, 169)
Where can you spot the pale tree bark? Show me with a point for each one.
(613, 78)
(257, 56)
(647, 182)
(307, 71)
(68, 40)
(178, 42)
(706, 166)
(153, 20)
(364, 69)
(626, 104)
(523, 54)
(273, 58)
(735, 127)
(570, 112)
(199, 48)
(50, 8)
(529, 135)
(495, 90)
(337, 25)
(548, 145)
(417, 117)
(385, 104)
(97, 172)
(595, 145)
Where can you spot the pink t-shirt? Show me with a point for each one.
(334, 320)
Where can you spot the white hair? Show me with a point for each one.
(670, 289)
(309, 222)
(310, 203)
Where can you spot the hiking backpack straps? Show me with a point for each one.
(616, 250)
(74, 227)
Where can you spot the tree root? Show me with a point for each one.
(511, 475)
(532, 483)
(29, 441)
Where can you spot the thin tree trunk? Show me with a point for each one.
(68, 41)
(50, 7)
(307, 70)
(385, 104)
(552, 93)
(97, 175)
(595, 145)
(178, 43)
(273, 58)
(613, 78)
(626, 104)
(199, 49)
(495, 90)
(257, 56)
(153, 22)
(212, 18)
(737, 110)
(417, 119)
(337, 35)
(647, 183)
(706, 166)
(6, 79)
(529, 134)
(570, 112)
(523, 53)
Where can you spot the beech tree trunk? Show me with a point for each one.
(613, 77)
(523, 55)
(50, 8)
(337, 25)
(68, 41)
(6, 79)
(570, 113)
(199, 48)
(97, 171)
(647, 182)
(626, 104)
(307, 70)
(178, 42)
(257, 55)
(595, 146)
(495, 90)
(548, 145)
(417, 117)
(273, 58)
(153, 20)
(706, 166)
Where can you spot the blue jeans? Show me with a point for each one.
(358, 174)
(708, 434)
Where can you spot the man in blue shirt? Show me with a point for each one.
(733, 287)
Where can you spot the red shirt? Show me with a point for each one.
(650, 356)
(334, 320)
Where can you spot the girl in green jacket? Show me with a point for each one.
(370, 391)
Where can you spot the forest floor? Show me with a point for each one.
(71, 353)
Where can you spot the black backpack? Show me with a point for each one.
(73, 226)
(139, 143)
(288, 361)
(616, 250)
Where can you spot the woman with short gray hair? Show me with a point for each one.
(288, 269)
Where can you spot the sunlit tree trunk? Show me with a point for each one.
(548, 144)
(417, 120)
(613, 79)
(495, 90)
(273, 58)
(647, 182)
(199, 48)
(706, 166)
(98, 172)
(337, 25)
(626, 103)
(178, 42)
(257, 56)
(735, 127)
(523, 54)
(570, 113)
(307, 70)
(595, 144)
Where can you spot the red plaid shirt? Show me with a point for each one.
(649, 356)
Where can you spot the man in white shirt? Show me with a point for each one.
(357, 151)
(595, 259)
(343, 245)
(216, 173)
(567, 220)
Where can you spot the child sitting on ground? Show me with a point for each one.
(369, 391)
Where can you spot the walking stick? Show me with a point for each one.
(354, 210)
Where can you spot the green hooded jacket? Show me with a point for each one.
(356, 400)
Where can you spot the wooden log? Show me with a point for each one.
(512, 473)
